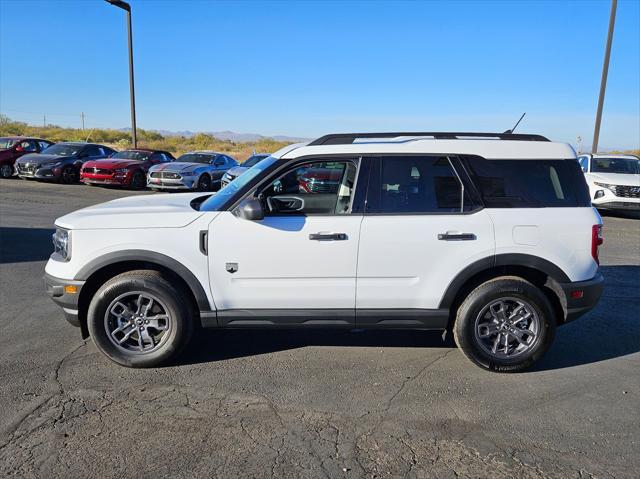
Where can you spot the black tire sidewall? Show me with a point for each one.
(3, 168)
(203, 181)
(485, 294)
(72, 176)
(179, 334)
(138, 184)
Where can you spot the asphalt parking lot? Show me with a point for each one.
(307, 404)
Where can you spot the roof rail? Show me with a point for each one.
(348, 138)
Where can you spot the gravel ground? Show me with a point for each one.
(307, 404)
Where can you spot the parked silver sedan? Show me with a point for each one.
(196, 170)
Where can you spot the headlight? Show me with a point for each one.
(188, 173)
(605, 185)
(227, 176)
(62, 243)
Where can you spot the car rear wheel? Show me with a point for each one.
(505, 325)
(138, 180)
(140, 319)
(6, 171)
(69, 175)
(204, 183)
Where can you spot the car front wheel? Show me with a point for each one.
(505, 325)
(204, 183)
(140, 319)
(69, 175)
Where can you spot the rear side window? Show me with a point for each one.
(528, 183)
(417, 185)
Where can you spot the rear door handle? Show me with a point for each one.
(448, 236)
(328, 236)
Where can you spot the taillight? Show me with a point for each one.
(596, 240)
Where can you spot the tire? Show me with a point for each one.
(138, 180)
(6, 171)
(204, 183)
(162, 339)
(69, 175)
(523, 307)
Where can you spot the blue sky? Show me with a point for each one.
(308, 68)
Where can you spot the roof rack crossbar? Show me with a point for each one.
(348, 138)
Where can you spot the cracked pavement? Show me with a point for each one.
(307, 404)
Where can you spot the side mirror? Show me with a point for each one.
(19, 149)
(251, 210)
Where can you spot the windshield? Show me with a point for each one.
(253, 160)
(196, 158)
(132, 155)
(6, 143)
(629, 166)
(62, 149)
(216, 201)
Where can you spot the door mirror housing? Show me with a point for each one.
(19, 149)
(251, 210)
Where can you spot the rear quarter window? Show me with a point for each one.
(528, 183)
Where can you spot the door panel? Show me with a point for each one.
(402, 264)
(277, 266)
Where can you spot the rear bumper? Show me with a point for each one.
(590, 290)
(55, 288)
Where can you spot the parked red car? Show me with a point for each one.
(125, 168)
(13, 147)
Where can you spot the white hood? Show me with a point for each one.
(615, 178)
(149, 211)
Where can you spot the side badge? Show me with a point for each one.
(232, 267)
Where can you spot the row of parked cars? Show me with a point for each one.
(95, 164)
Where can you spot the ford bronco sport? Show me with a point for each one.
(489, 236)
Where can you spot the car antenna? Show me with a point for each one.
(508, 132)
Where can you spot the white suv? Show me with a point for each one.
(490, 236)
(614, 180)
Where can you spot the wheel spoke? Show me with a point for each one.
(155, 322)
(127, 334)
(147, 338)
(147, 308)
(486, 330)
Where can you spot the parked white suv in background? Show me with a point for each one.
(492, 236)
(614, 180)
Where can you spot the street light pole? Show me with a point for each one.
(603, 80)
(126, 7)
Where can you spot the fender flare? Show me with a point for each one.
(152, 257)
(508, 259)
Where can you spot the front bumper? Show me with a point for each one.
(40, 173)
(55, 288)
(115, 181)
(581, 296)
(172, 184)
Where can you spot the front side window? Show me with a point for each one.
(6, 143)
(29, 146)
(315, 188)
(628, 166)
(417, 185)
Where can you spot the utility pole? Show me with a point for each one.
(127, 8)
(82, 118)
(603, 80)
(44, 121)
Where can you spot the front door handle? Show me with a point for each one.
(450, 236)
(328, 236)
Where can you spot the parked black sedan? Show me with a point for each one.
(60, 162)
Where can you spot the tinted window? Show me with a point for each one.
(93, 151)
(44, 144)
(529, 183)
(418, 184)
(627, 166)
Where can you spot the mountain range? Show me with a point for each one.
(229, 135)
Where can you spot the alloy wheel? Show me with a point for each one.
(507, 327)
(6, 171)
(137, 322)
